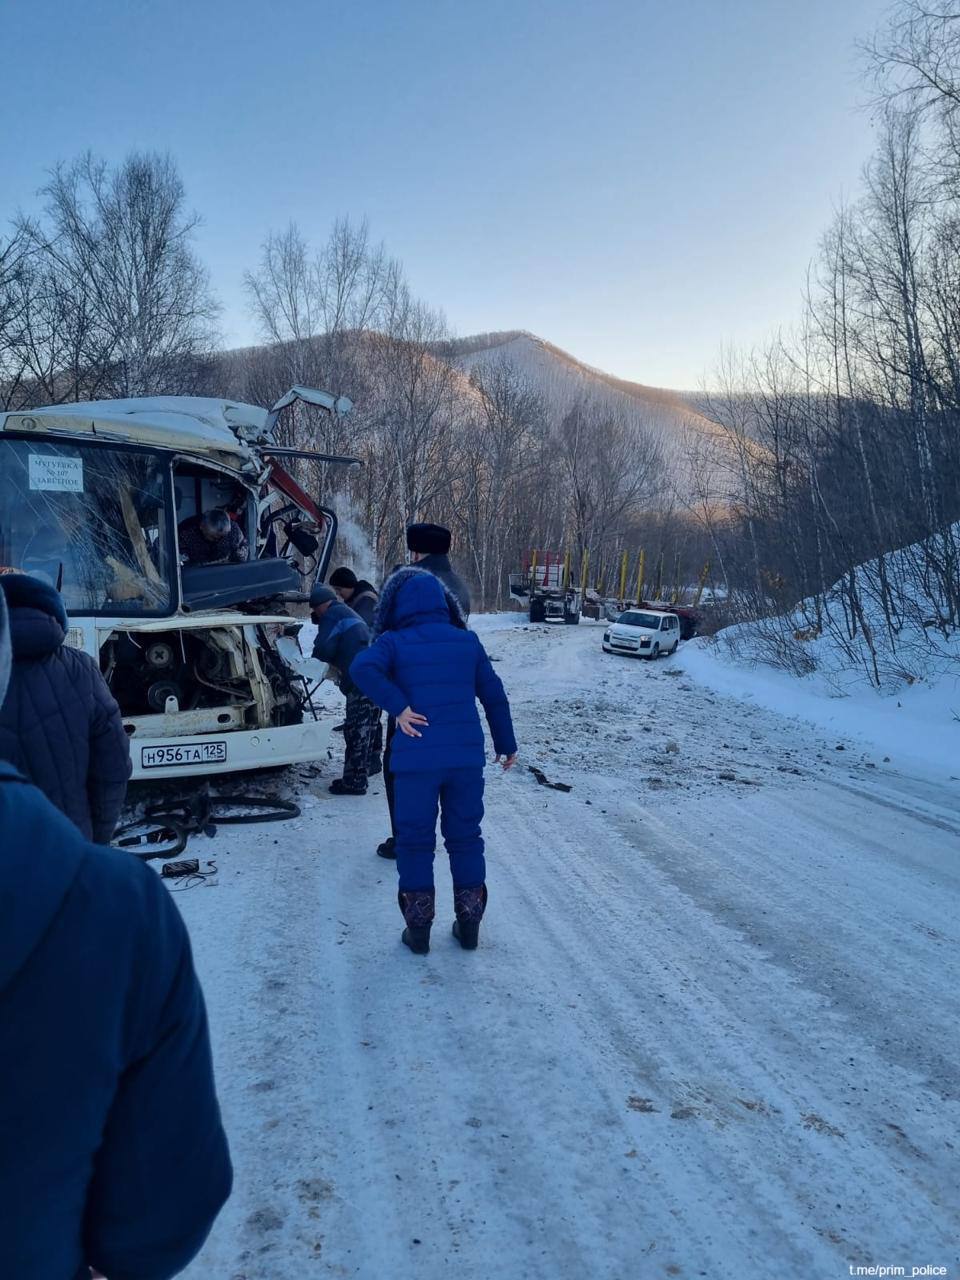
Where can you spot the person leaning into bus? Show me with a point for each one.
(212, 538)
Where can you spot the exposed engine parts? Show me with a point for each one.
(191, 670)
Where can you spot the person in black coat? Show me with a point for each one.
(113, 1153)
(359, 594)
(341, 635)
(211, 538)
(429, 547)
(60, 724)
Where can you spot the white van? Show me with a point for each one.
(643, 633)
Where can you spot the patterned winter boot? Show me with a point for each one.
(469, 905)
(417, 908)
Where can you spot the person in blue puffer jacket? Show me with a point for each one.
(426, 669)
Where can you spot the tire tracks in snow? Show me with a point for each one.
(881, 1132)
(672, 1055)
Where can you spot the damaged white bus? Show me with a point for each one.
(203, 658)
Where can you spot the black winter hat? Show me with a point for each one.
(23, 590)
(323, 595)
(428, 539)
(343, 577)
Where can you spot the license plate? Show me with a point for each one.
(183, 753)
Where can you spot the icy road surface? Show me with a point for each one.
(711, 1029)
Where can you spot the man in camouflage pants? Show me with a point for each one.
(341, 635)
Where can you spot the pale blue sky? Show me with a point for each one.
(640, 183)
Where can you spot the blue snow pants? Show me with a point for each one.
(458, 793)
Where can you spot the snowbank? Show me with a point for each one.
(918, 726)
(874, 658)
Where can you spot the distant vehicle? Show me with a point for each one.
(643, 633)
(202, 657)
(690, 616)
(546, 590)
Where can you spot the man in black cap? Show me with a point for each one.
(429, 545)
(359, 594)
(362, 598)
(341, 635)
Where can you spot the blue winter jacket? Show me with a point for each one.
(59, 723)
(112, 1154)
(426, 659)
(341, 635)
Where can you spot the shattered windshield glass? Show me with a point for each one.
(89, 519)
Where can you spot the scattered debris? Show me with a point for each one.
(819, 1125)
(636, 1103)
(185, 867)
(544, 781)
(189, 873)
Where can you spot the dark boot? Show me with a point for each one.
(469, 905)
(417, 908)
(340, 787)
(388, 848)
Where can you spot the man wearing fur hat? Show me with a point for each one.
(429, 547)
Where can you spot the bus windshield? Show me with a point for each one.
(90, 519)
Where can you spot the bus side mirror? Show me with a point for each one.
(304, 541)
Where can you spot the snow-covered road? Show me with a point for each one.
(711, 1029)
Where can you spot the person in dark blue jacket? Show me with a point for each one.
(427, 670)
(429, 547)
(112, 1156)
(341, 635)
(60, 724)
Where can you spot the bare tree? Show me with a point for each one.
(13, 265)
(501, 450)
(114, 298)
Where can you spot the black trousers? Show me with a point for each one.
(388, 779)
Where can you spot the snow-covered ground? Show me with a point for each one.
(892, 684)
(710, 1030)
(914, 726)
